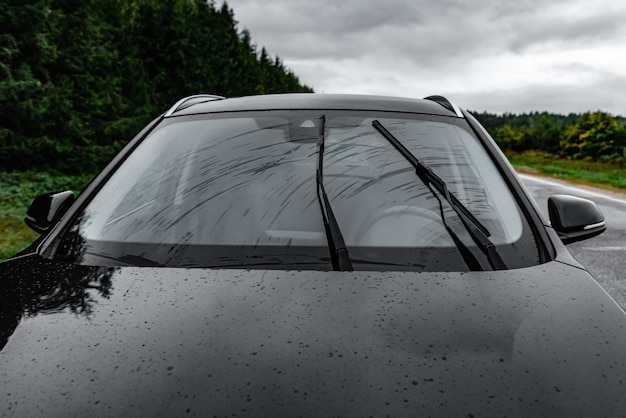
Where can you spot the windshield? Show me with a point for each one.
(239, 190)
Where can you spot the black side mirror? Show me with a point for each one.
(575, 218)
(47, 209)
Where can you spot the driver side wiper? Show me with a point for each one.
(478, 232)
(338, 251)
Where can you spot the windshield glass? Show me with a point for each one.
(239, 190)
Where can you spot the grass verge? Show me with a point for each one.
(17, 191)
(610, 176)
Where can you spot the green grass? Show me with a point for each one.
(17, 191)
(601, 174)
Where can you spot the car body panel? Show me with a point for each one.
(79, 340)
(318, 101)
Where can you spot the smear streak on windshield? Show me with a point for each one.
(223, 190)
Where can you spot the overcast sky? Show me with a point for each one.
(501, 56)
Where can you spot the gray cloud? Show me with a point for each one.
(602, 95)
(311, 30)
(560, 31)
(387, 46)
(328, 17)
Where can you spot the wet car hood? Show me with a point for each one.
(79, 340)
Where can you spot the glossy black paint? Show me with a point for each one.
(82, 341)
(575, 218)
(147, 341)
(318, 101)
(47, 209)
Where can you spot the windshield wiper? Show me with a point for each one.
(478, 232)
(338, 251)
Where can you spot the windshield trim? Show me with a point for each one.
(47, 245)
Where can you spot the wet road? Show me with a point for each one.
(605, 255)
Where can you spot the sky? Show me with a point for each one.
(513, 56)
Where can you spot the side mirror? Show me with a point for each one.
(575, 218)
(47, 209)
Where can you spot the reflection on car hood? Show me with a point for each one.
(79, 340)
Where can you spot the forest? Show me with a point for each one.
(78, 78)
(590, 136)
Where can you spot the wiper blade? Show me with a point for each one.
(479, 233)
(338, 251)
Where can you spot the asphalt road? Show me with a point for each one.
(604, 256)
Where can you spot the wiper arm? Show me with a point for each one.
(338, 251)
(478, 232)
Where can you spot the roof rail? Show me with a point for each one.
(190, 101)
(446, 103)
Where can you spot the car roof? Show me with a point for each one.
(300, 101)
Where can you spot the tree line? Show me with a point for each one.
(78, 78)
(587, 136)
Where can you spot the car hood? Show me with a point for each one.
(79, 340)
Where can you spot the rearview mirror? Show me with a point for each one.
(575, 218)
(47, 209)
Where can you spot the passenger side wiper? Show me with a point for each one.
(478, 232)
(338, 251)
